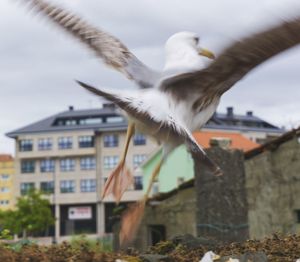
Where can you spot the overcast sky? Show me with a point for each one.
(39, 62)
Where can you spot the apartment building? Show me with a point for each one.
(69, 156)
(6, 182)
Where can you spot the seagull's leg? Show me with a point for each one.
(120, 178)
(133, 215)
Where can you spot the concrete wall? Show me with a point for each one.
(221, 201)
(273, 189)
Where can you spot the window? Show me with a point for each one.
(5, 177)
(90, 121)
(138, 159)
(155, 188)
(65, 142)
(110, 161)
(47, 165)
(25, 145)
(45, 144)
(88, 185)
(67, 186)
(180, 180)
(70, 122)
(114, 119)
(67, 164)
(298, 216)
(139, 140)
(138, 183)
(26, 187)
(4, 189)
(87, 163)
(47, 187)
(111, 140)
(86, 141)
(4, 202)
(27, 166)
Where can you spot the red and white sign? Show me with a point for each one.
(80, 212)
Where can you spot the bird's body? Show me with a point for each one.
(171, 104)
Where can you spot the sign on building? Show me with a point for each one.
(84, 212)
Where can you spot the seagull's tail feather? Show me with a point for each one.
(117, 183)
(120, 97)
(100, 92)
(202, 158)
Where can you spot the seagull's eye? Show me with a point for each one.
(196, 39)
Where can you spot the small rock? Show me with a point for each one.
(190, 241)
(154, 258)
(247, 257)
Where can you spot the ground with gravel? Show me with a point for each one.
(185, 249)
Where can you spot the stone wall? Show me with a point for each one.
(176, 213)
(221, 201)
(273, 189)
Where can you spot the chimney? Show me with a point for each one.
(230, 111)
(249, 113)
(71, 108)
(222, 142)
(109, 105)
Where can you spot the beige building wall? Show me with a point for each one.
(99, 151)
(6, 182)
(56, 154)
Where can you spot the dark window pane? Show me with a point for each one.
(25, 145)
(138, 183)
(47, 187)
(25, 188)
(86, 141)
(45, 144)
(27, 166)
(65, 142)
(67, 164)
(67, 186)
(110, 162)
(88, 185)
(47, 165)
(139, 139)
(111, 140)
(87, 163)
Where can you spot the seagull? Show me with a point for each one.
(170, 105)
(183, 54)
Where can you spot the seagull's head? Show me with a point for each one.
(187, 40)
(183, 50)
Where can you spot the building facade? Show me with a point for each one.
(6, 182)
(249, 125)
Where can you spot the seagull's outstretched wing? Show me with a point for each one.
(133, 105)
(233, 64)
(113, 52)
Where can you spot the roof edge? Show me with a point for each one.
(273, 144)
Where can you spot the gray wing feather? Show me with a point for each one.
(113, 52)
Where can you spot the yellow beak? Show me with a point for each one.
(206, 53)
